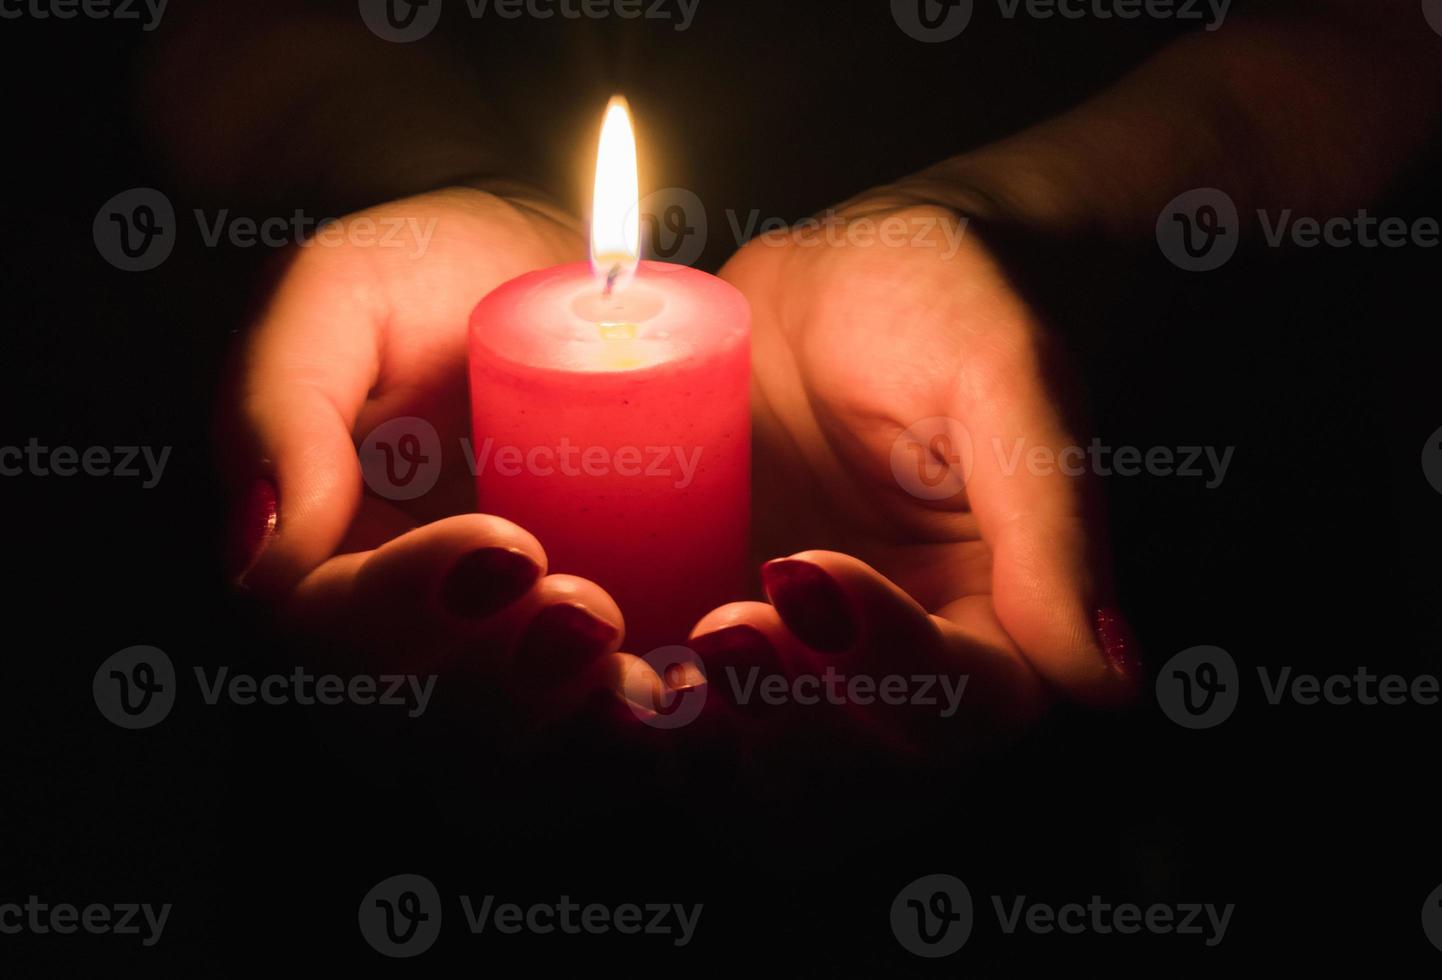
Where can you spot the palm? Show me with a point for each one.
(895, 356)
(422, 305)
(854, 346)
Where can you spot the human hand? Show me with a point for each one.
(358, 334)
(886, 366)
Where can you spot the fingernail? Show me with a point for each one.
(738, 646)
(640, 690)
(487, 580)
(684, 677)
(743, 650)
(810, 603)
(253, 528)
(1118, 642)
(563, 637)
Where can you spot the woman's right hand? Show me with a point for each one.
(368, 326)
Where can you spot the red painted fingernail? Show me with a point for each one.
(253, 528)
(487, 580)
(563, 637)
(1118, 642)
(743, 656)
(739, 646)
(810, 603)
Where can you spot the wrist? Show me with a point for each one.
(1068, 270)
(964, 199)
(526, 196)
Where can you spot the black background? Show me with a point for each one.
(265, 826)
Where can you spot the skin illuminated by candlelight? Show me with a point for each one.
(417, 583)
(852, 343)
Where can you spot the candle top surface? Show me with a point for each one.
(559, 319)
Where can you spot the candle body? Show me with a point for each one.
(618, 432)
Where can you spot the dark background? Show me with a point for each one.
(265, 826)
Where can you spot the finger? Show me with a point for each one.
(570, 624)
(1048, 581)
(636, 686)
(904, 672)
(558, 682)
(306, 373)
(743, 635)
(844, 609)
(468, 583)
(376, 522)
(745, 648)
(1003, 689)
(622, 702)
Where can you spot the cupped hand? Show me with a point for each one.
(901, 387)
(367, 328)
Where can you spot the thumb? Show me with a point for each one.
(1051, 581)
(304, 376)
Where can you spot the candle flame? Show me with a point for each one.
(615, 221)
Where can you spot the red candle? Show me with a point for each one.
(611, 416)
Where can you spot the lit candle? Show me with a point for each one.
(611, 415)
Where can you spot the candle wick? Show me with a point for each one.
(611, 278)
